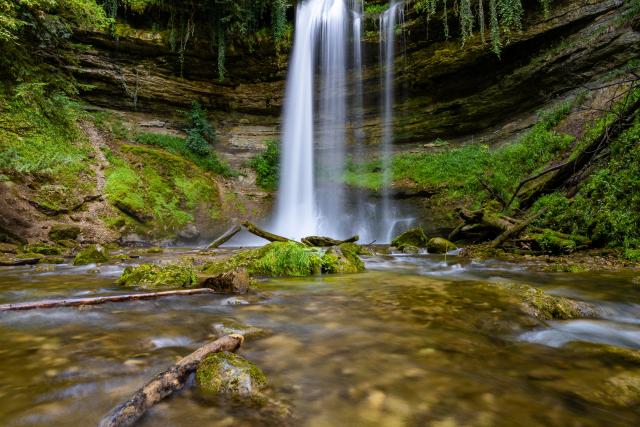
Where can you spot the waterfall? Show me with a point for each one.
(324, 95)
(311, 198)
(388, 21)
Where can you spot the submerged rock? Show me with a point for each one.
(92, 255)
(413, 237)
(64, 232)
(230, 375)
(622, 389)
(438, 245)
(543, 306)
(153, 277)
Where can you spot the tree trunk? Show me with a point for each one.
(166, 383)
(100, 300)
(225, 237)
(253, 229)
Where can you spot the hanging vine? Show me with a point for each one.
(504, 17)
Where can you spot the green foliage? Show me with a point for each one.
(607, 207)
(40, 142)
(289, 259)
(198, 123)
(458, 172)
(176, 145)
(267, 166)
(505, 16)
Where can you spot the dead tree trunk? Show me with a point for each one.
(225, 237)
(74, 302)
(480, 225)
(166, 383)
(253, 229)
(321, 241)
(516, 229)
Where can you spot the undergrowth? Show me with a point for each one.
(267, 166)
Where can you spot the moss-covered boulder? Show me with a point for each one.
(413, 237)
(153, 277)
(230, 375)
(438, 245)
(42, 249)
(342, 259)
(554, 243)
(289, 259)
(64, 232)
(94, 254)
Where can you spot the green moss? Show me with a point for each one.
(632, 254)
(552, 243)
(544, 306)
(438, 245)
(64, 232)
(158, 190)
(342, 259)
(42, 249)
(413, 237)
(288, 259)
(151, 277)
(92, 255)
(231, 375)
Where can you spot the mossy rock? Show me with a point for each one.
(42, 249)
(342, 259)
(410, 250)
(52, 260)
(64, 232)
(154, 250)
(230, 375)
(413, 237)
(69, 244)
(543, 306)
(438, 245)
(8, 248)
(94, 254)
(554, 243)
(152, 277)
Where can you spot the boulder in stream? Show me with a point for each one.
(230, 375)
(91, 255)
(342, 259)
(438, 245)
(413, 237)
(230, 282)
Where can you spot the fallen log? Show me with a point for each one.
(257, 231)
(74, 302)
(516, 229)
(166, 383)
(321, 241)
(225, 237)
(480, 225)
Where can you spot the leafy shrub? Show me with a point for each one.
(267, 166)
(198, 124)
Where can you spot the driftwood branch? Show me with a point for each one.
(166, 383)
(225, 237)
(320, 241)
(253, 229)
(74, 302)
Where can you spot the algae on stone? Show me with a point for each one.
(413, 237)
(152, 277)
(438, 245)
(92, 255)
(231, 375)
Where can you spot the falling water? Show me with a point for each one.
(308, 204)
(388, 21)
(323, 95)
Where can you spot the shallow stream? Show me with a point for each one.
(413, 341)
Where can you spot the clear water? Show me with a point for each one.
(412, 341)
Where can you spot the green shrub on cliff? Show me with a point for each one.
(267, 166)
